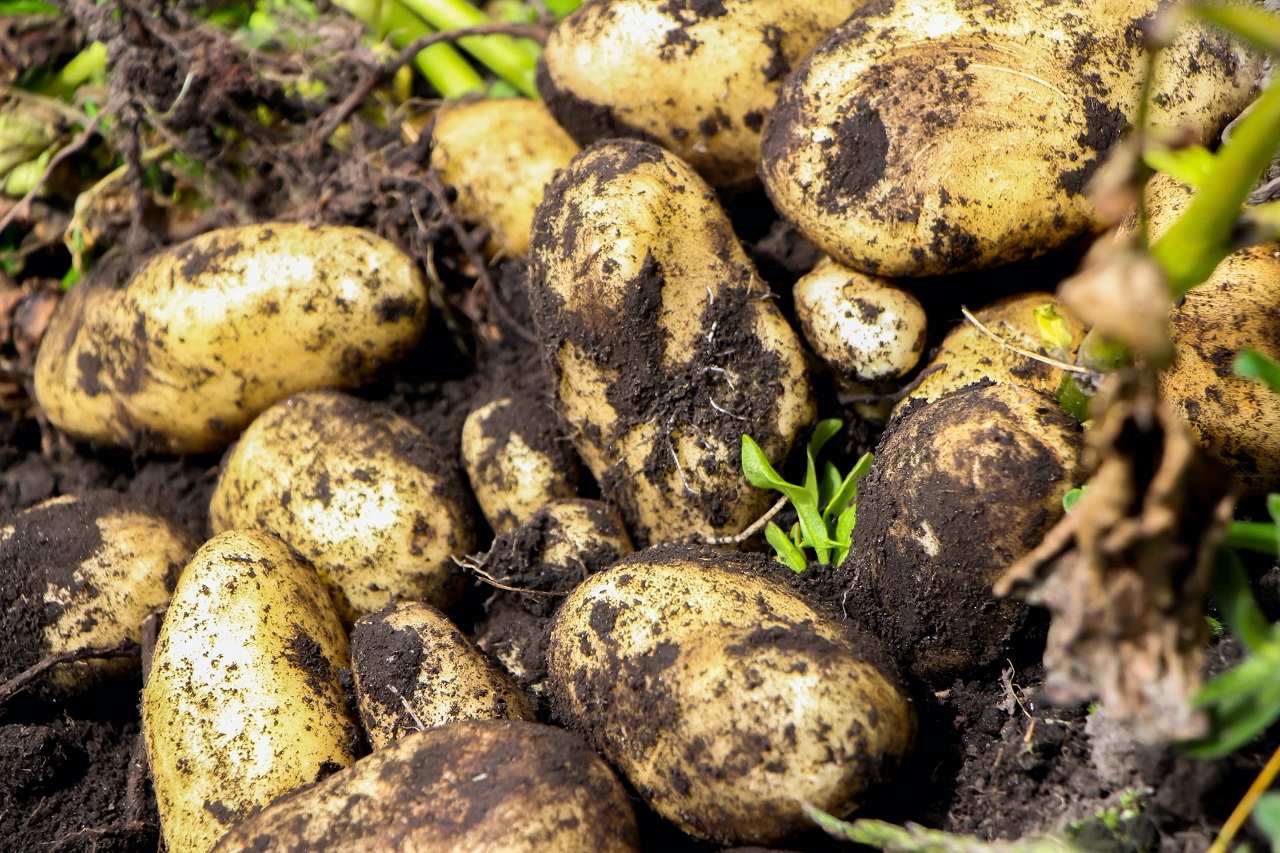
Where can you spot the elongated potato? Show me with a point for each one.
(361, 492)
(499, 155)
(415, 670)
(81, 572)
(243, 702)
(206, 335)
(930, 136)
(724, 699)
(664, 345)
(499, 786)
(696, 78)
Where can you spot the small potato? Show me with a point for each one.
(696, 78)
(664, 343)
(243, 702)
(361, 492)
(79, 572)
(516, 460)
(868, 329)
(500, 154)
(415, 670)
(968, 356)
(723, 698)
(206, 335)
(497, 786)
(960, 489)
(932, 136)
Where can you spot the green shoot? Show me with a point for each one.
(501, 54)
(917, 839)
(825, 503)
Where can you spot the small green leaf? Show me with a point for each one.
(844, 532)
(822, 433)
(1240, 719)
(26, 7)
(1254, 365)
(757, 470)
(828, 485)
(1055, 337)
(815, 530)
(787, 552)
(1071, 498)
(1257, 536)
(1191, 165)
(848, 491)
(1266, 814)
(1232, 592)
(1074, 401)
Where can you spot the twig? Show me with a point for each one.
(479, 571)
(895, 396)
(24, 205)
(1245, 807)
(752, 530)
(15, 685)
(1044, 359)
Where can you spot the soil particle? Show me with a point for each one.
(1103, 127)
(859, 157)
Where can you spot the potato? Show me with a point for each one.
(207, 334)
(696, 78)
(498, 786)
(80, 572)
(960, 489)
(924, 137)
(723, 698)
(663, 342)
(967, 356)
(499, 154)
(867, 329)
(415, 670)
(362, 493)
(531, 569)
(243, 702)
(516, 460)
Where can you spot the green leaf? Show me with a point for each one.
(1074, 401)
(787, 552)
(1266, 814)
(1258, 536)
(1240, 719)
(1071, 498)
(762, 475)
(758, 471)
(848, 491)
(1232, 592)
(815, 530)
(1254, 365)
(1191, 165)
(844, 532)
(1055, 337)
(1253, 24)
(828, 485)
(918, 839)
(822, 433)
(26, 7)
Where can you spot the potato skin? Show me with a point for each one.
(500, 154)
(497, 785)
(924, 137)
(960, 489)
(722, 697)
(207, 334)
(243, 702)
(663, 343)
(695, 78)
(414, 669)
(361, 492)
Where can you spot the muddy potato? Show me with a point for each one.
(243, 702)
(516, 460)
(415, 670)
(494, 785)
(80, 572)
(663, 341)
(959, 490)
(924, 137)
(359, 491)
(723, 698)
(696, 78)
(499, 155)
(206, 335)
(967, 356)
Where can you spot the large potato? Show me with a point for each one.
(206, 335)
(663, 342)
(243, 702)
(496, 786)
(960, 489)
(724, 699)
(361, 492)
(929, 136)
(696, 78)
(80, 572)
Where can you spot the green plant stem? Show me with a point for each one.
(502, 54)
(1259, 536)
(441, 65)
(84, 65)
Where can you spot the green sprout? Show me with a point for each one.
(826, 503)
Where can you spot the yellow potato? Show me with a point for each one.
(206, 335)
(359, 491)
(243, 702)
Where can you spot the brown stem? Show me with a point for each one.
(15, 685)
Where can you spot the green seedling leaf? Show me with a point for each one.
(1071, 498)
(828, 484)
(1258, 536)
(848, 491)
(822, 433)
(757, 469)
(1240, 719)
(1191, 165)
(844, 532)
(1253, 24)
(1074, 401)
(917, 839)
(1252, 364)
(1055, 337)
(1266, 814)
(761, 474)
(1240, 611)
(815, 530)
(26, 7)
(786, 550)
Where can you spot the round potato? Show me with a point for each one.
(960, 489)
(496, 785)
(243, 701)
(207, 334)
(932, 136)
(723, 698)
(499, 154)
(696, 78)
(516, 460)
(664, 344)
(361, 492)
(82, 572)
(415, 670)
